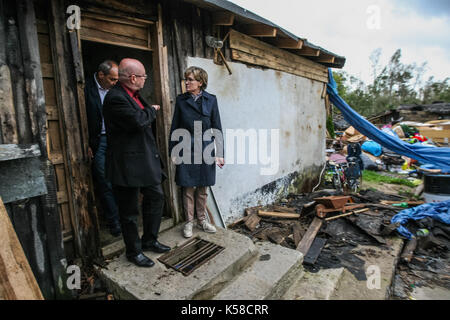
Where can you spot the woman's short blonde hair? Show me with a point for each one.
(199, 75)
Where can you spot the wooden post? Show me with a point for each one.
(162, 93)
(83, 217)
(8, 123)
(17, 281)
(37, 109)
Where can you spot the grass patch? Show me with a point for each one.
(372, 176)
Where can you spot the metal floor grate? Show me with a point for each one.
(190, 255)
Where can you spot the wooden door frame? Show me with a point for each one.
(162, 97)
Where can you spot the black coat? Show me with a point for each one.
(132, 157)
(186, 112)
(93, 112)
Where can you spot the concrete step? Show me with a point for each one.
(340, 284)
(377, 262)
(268, 277)
(128, 281)
(315, 286)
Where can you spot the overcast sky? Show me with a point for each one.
(355, 28)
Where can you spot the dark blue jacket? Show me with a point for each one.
(186, 112)
(93, 112)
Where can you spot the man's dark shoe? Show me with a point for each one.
(141, 260)
(155, 246)
(115, 231)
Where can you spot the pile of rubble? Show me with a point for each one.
(327, 226)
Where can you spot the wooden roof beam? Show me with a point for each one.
(325, 58)
(308, 51)
(287, 43)
(259, 30)
(223, 18)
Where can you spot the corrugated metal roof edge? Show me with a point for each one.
(234, 8)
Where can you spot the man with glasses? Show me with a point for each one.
(133, 162)
(95, 91)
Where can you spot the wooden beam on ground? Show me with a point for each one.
(259, 30)
(287, 43)
(252, 221)
(346, 214)
(309, 52)
(285, 215)
(17, 281)
(222, 18)
(309, 236)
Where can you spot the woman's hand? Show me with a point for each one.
(220, 162)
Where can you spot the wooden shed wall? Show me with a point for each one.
(23, 122)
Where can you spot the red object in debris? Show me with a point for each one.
(420, 137)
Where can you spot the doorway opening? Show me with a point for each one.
(94, 53)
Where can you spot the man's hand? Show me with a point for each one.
(220, 162)
(156, 106)
(90, 153)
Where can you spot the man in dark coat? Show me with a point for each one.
(133, 162)
(95, 91)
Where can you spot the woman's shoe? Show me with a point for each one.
(187, 231)
(207, 227)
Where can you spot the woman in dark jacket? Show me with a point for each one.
(196, 113)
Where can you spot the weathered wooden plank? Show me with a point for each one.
(223, 18)
(309, 236)
(17, 281)
(21, 179)
(116, 27)
(314, 251)
(325, 58)
(268, 55)
(197, 33)
(18, 151)
(9, 133)
(15, 62)
(308, 51)
(105, 37)
(259, 30)
(259, 48)
(162, 90)
(8, 125)
(41, 26)
(47, 70)
(251, 59)
(298, 233)
(285, 215)
(252, 221)
(83, 214)
(287, 43)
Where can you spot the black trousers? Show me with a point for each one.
(152, 209)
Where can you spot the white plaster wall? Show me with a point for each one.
(265, 99)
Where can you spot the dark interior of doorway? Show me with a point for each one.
(93, 54)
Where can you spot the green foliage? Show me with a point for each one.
(393, 85)
(330, 126)
(372, 176)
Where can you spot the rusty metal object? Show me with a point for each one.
(190, 255)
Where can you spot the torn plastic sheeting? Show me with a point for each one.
(439, 211)
(439, 157)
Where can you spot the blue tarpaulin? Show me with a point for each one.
(440, 157)
(439, 211)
